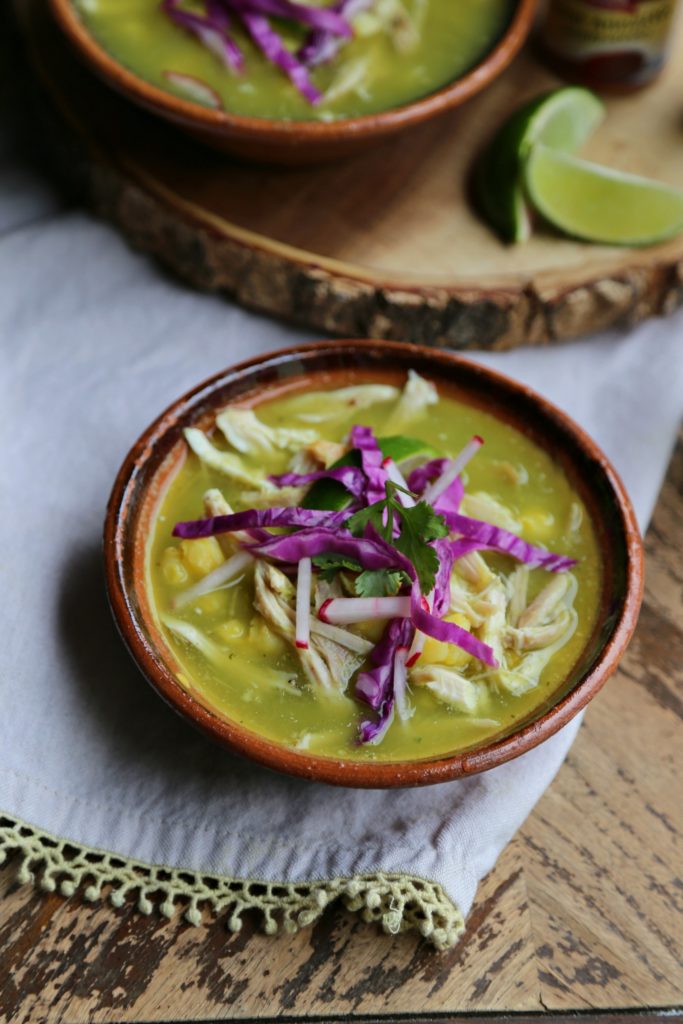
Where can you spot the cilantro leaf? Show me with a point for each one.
(379, 583)
(373, 515)
(419, 525)
(330, 565)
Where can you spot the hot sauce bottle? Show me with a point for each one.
(608, 45)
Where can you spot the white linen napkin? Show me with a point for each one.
(95, 342)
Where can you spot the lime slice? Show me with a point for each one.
(562, 119)
(333, 496)
(600, 204)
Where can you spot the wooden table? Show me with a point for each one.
(582, 911)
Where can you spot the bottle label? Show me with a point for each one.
(587, 28)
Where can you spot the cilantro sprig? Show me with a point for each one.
(417, 524)
(330, 565)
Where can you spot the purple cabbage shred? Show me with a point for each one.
(364, 441)
(376, 686)
(352, 478)
(212, 28)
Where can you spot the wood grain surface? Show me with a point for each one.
(583, 911)
(380, 245)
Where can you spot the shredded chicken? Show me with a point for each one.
(216, 505)
(324, 453)
(416, 397)
(476, 607)
(326, 406)
(280, 496)
(575, 517)
(325, 662)
(448, 685)
(352, 78)
(528, 673)
(474, 569)
(493, 629)
(401, 26)
(482, 506)
(545, 603)
(303, 462)
(517, 585)
(325, 590)
(228, 463)
(261, 675)
(511, 473)
(245, 432)
(535, 638)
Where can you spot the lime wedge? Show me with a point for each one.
(562, 119)
(600, 204)
(333, 496)
(401, 448)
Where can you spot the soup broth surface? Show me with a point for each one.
(254, 677)
(371, 73)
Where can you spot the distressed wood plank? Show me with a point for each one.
(604, 873)
(99, 964)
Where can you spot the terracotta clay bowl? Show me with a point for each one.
(291, 142)
(156, 456)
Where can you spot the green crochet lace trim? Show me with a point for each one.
(397, 902)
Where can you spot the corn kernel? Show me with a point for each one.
(230, 630)
(214, 603)
(173, 569)
(263, 638)
(366, 24)
(201, 555)
(437, 652)
(537, 524)
(371, 629)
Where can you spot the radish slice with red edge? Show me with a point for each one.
(214, 580)
(396, 476)
(303, 604)
(195, 89)
(455, 468)
(417, 646)
(345, 637)
(340, 610)
(404, 709)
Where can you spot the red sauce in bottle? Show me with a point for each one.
(608, 45)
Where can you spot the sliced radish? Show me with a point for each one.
(195, 89)
(395, 475)
(351, 641)
(344, 610)
(419, 639)
(303, 604)
(214, 580)
(453, 470)
(404, 709)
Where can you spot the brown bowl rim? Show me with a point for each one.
(272, 130)
(367, 774)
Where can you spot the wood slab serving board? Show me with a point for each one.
(383, 244)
